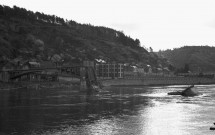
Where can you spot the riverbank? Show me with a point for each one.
(63, 82)
(155, 81)
(69, 82)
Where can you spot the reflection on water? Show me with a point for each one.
(114, 111)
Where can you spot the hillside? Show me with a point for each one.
(199, 58)
(28, 35)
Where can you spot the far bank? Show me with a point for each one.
(151, 81)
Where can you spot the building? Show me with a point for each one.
(110, 70)
(138, 69)
(4, 74)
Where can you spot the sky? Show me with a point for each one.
(160, 24)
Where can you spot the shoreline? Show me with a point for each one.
(68, 82)
(164, 81)
(36, 85)
(151, 85)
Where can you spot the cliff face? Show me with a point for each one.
(39, 36)
(198, 58)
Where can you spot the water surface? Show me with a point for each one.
(114, 111)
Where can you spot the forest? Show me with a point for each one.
(195, 58)
(33, 35)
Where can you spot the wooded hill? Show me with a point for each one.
(198, 58)
(40, 36)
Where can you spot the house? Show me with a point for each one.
(29, 65)
(25, 66)
(34, 64)
(50, 67)
(4, 74)
(138, 69)
(148, 69)
(57, 59)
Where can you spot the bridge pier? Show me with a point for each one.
(88, 80)
(83, 83)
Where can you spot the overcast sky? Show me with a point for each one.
(160, 24)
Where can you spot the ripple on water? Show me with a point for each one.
(119, 111)
(64, 105)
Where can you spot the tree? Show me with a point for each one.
(53, 19)
(171, 67)
(150, 49)
(137, 42)
(186, 68)
(1, 10)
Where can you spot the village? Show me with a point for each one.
(19, 70)
(102, 69)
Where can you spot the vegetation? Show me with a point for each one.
(193, 58)
(40, 36)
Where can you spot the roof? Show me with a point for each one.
(34, 63)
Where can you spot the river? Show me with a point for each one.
(136, 110)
